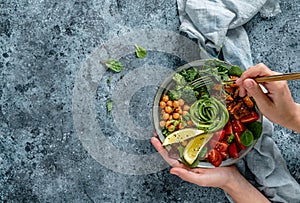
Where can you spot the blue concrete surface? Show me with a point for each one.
(45, 45)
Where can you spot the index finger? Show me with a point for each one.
(257, 70)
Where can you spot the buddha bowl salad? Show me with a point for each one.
(211, 123)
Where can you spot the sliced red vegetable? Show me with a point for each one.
(237, 126)
(224, 155)
(228, 128)
(253, 116)
(247, 100)
(233, 151)
(214, 157)
(219, 135)
(221, 146)
(238, 141)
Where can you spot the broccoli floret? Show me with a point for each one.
(189, 95)
(189, 74)
(179, 79)
(174, 94)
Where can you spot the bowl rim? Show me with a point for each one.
(163, 87)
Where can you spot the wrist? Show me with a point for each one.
(296, 119)
(234, 182)
(293, 122)
(241, 191)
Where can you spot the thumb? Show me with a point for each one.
(255, 91)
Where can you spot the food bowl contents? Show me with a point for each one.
(207, 122)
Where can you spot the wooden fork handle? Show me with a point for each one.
(271, 78)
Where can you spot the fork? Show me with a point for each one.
(206, 80)
(200, 82)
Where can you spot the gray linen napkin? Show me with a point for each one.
(218, 27)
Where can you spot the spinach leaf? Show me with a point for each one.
(114, 65)
(247, 138)
(140, 51)
(255, 128)
(109, 106)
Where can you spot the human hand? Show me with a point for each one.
(227, 178)
(277, 104)
(215, 177)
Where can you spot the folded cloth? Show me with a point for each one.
(218, 27)
(218, 24)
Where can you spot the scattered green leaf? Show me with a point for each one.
(140, 51)
(109, 106)
(114, 65)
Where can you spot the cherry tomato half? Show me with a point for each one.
(222, 146)
(238, 141)
(219, 135)
(228, 128)
(224, 155)
(237, 126)
(214, 157)
(233, 151)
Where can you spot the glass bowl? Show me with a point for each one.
(168, 84)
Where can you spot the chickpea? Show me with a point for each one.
(180, 126)
(176, 116)
(166, 116)
(165, 98)
(162, 104)
(171, 128)
(162, 123)
(178, 110)
(168, 109)
(181, 102)
(190, 123)
(171, 117)
(186, 107)
(168, 123)
(169, 103)
(184, 113)
(176, 104)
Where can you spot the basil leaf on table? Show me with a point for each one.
(140, 51)
(109, 106)
(114, 65)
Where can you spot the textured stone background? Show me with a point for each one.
(42, 47)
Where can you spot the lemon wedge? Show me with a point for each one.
(181, 135)
(194, 147)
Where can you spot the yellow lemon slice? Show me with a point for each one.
(193, 148)
(181, 135)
